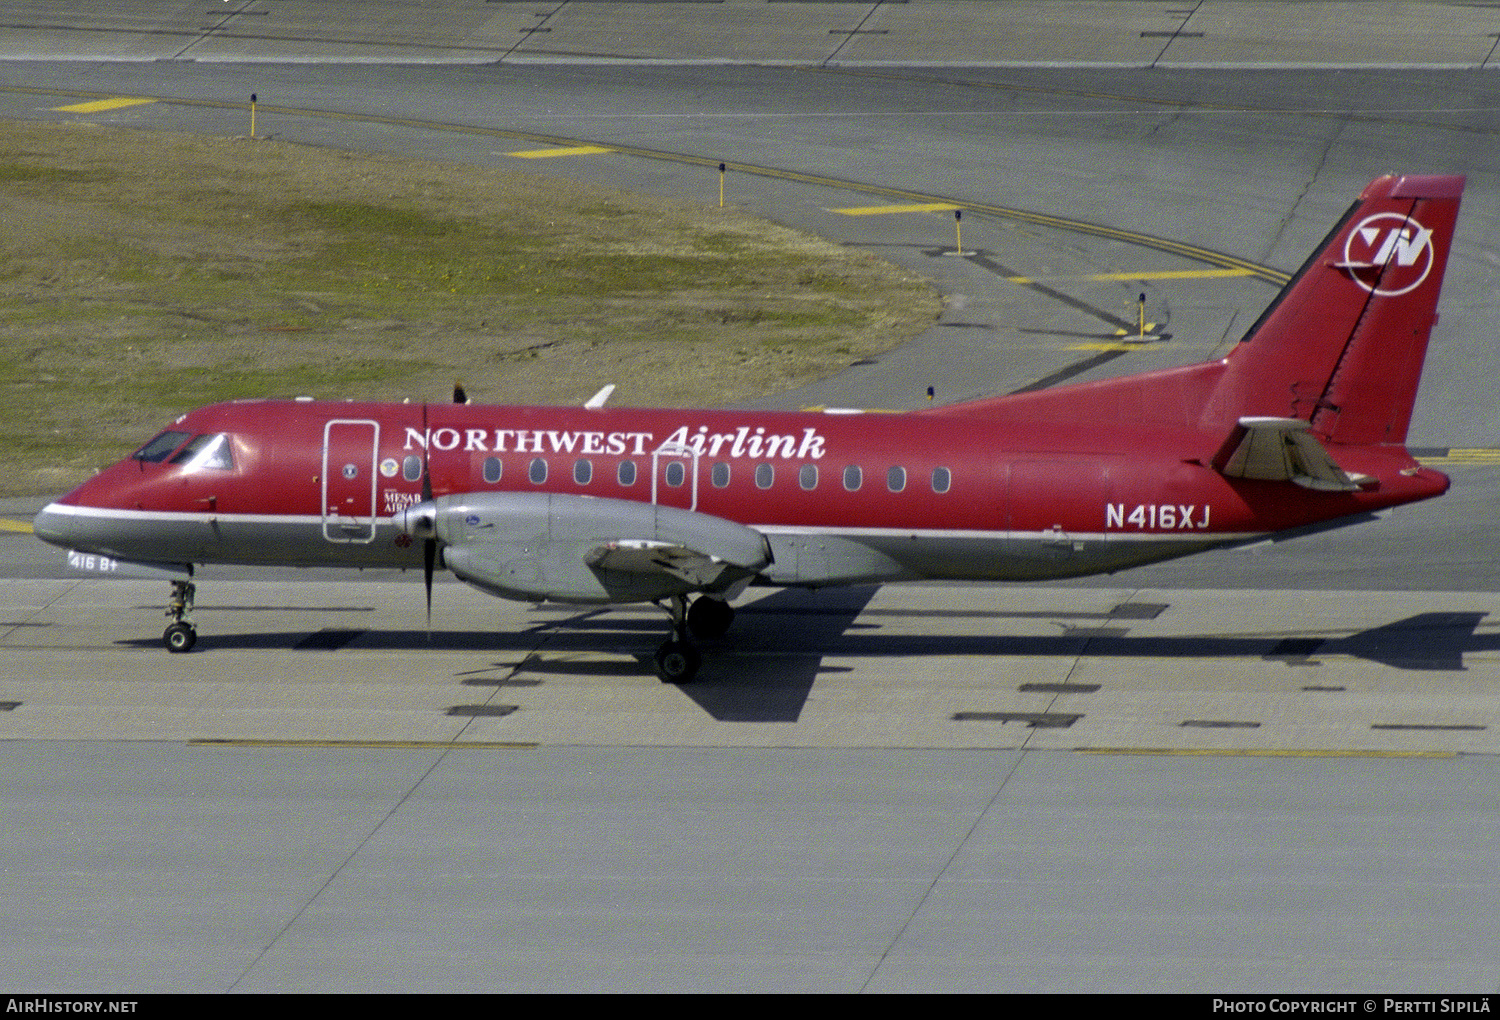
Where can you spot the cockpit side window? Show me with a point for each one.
(206, 453)
(160, 448)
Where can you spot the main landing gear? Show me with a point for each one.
(181, 634)
(678, 659)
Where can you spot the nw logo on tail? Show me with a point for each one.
(1395, 244)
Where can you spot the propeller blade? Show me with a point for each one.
(429, 565)
(429, 544)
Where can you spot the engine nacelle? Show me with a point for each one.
(546, 547)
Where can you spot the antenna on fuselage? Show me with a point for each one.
(459, 396)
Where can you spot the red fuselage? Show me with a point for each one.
(936, 494)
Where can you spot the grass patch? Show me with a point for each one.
(371, 221)
(145, 273)
(24, 173)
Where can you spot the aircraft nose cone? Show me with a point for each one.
(53, 526)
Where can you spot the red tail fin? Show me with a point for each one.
(1342, 346)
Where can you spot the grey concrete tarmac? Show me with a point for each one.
(1265, 770)
(161, 867)
(900, 666)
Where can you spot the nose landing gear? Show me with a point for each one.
(181, 634)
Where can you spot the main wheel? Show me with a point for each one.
(180, 637)
(677, 662)
(709, 617)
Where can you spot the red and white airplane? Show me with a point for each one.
(1303, 422)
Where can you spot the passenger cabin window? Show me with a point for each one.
(160, 448)
(853, 478)
(895, 479)
(206, 453)
(719, 475)
(583, 471)
(537, 472)
(807, 477)
(942, 479)
(676, 474)
(765, 474)
(411, 468)
(626, 473)
(492, 470)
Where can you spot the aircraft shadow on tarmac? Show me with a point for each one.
(765, 668)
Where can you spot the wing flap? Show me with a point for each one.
(648, 556)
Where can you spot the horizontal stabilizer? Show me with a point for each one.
(1283, 450)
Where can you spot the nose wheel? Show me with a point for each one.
(181, 634)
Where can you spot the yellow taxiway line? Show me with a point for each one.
(882, 210)
(572, 150)
(100, 105)
(1469, 455)
(1169, 274)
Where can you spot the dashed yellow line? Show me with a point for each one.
(1171, 274)
(100, 105)
(21, 527)
(575, 150)
(882, 210)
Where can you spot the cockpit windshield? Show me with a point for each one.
(160, 448)
(206, 453)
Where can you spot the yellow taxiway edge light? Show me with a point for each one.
(1268, 752)
(22, 527)
(100, 105)
(1173, 274)
(576, 150)
(880, 210)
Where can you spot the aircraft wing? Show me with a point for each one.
(1283, 449)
